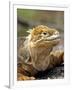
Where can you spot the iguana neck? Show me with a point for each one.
(40, 56)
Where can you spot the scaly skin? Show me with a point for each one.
(36, 53)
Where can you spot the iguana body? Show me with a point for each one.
(36, 54)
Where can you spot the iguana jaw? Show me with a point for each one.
(50, 41)
(53, 37)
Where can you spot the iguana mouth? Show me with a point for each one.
(53, 37)
(48, 39)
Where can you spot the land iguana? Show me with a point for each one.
(35, 53)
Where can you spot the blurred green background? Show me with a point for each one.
(28, 18)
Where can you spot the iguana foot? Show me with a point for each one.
(23, 77)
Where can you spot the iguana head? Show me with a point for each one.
(44, 36)
(41, 40)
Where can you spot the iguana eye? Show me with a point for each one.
(45, 33)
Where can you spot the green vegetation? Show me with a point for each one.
(28, 18)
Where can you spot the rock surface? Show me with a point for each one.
(55, 73)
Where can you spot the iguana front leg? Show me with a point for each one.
(56, 58)
(24, 77)
(25, 71)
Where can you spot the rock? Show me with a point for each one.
(55, 73)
